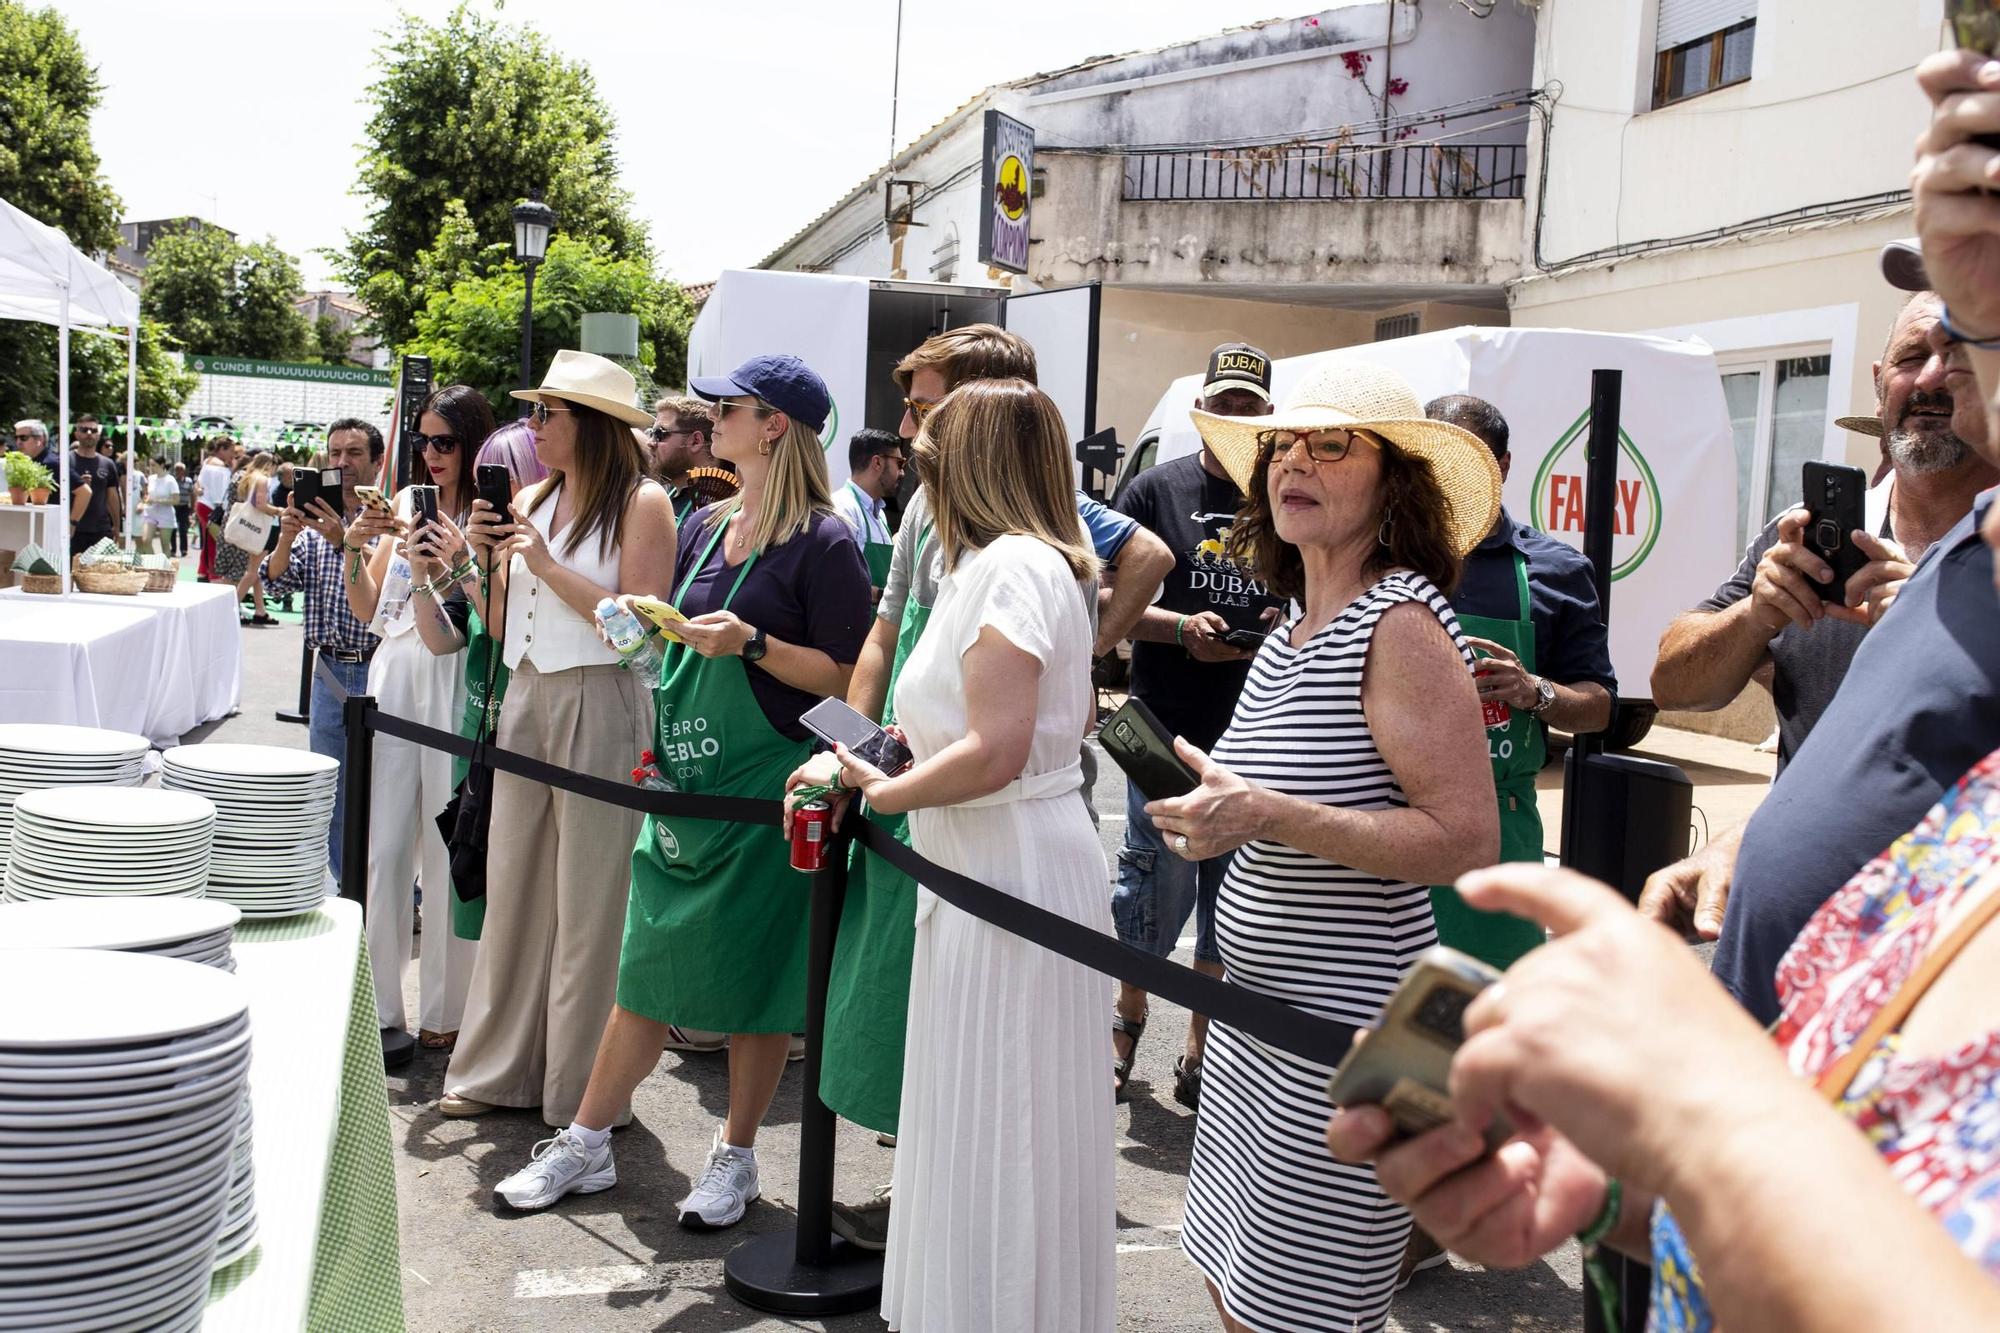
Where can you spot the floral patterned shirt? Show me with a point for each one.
(1935, 1120)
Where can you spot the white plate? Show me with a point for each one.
(126, 1057)
(18, 1178)
(60, 738)
(32, 871)
(75, 1080)
(125, 1137)
(223, 1093)
(110, 1228)
(37, 1097)
(56, 998)
(83, 838)
(24, 892)
(116, 807)
(180, 1180)
(116, 1302)
(101, 1281)
(274, 761)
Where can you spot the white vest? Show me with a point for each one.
(541, 627)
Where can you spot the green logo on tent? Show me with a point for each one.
(828, 436)
(1557, 499)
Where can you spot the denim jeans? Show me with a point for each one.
(1157, 889)
(328, 736)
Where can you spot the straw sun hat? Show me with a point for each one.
(1861, 425)
(1353, 395)
(581, 377)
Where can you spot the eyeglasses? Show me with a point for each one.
(918, 408)
(1322, 446)
(539, 413)
(444, 446)
(724, 407)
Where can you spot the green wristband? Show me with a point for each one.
(1591, 1240)
(1180, 625)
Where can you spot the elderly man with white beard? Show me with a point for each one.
(1766, 623)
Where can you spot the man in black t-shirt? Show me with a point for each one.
(106, 507)
(1189, 673)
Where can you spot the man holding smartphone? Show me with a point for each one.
(1191, 653)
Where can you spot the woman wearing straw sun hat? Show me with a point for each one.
(1360, 510)
(595, 527)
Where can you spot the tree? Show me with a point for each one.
(48, 165)
(96, 373)
(472, 331)
(221, 296)
(330, 341)
(475, 111)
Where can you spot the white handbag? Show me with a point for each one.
(248, 528)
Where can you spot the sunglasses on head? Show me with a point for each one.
(1322, 446)
(442, 445)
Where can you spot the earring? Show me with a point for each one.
(764, 449)
(1382, 536)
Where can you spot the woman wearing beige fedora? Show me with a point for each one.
(1360, 509)
(548, 957)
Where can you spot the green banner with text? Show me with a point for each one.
(288, 370)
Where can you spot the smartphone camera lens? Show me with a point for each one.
(1827, 534)
(1123, 731)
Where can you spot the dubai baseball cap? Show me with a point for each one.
(1237, 366)
(785, 382)
(1903, 265)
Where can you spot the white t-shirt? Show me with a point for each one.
(865, 516)
(214, 485)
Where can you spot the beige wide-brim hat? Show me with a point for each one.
(1871, 426)
(1353, 395)
(583, 377)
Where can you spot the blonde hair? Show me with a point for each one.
(994, 459)
(794, 491)
(261, 466)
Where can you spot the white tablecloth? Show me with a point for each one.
(86, 659)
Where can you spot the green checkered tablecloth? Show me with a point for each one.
(326, 1256)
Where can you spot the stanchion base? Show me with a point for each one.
(398, 1048)
(766, 1274)
(299, 719)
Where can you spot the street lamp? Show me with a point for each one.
(533, 220)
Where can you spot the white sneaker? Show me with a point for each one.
(727, 1186)
(561, 1165)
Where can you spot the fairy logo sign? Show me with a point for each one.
(1637, 514)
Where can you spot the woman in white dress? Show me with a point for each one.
(1353, 775)
(161, 497)
(1005, 1211)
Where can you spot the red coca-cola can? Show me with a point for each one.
(1495, 713)
(811, 823)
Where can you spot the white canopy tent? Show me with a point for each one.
(46, 279)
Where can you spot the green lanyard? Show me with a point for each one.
(869, 521)
(702, 564)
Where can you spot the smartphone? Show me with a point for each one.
(496, 487)
(1834, 495)
(1140, 744)
(1975, 25)
(663, 617)
(1250, 640)
(371, 497)
(423, 505)
(835, 723)
(1405, 1064)
(305, 489)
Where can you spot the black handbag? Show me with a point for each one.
(468, 816)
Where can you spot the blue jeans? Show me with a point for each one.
(1158, 889)
(328, 736)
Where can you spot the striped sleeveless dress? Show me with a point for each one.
(1294, 1240)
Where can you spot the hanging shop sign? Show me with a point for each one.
(1006, 178)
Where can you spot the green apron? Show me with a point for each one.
(1516, 750)
(878, 555)
(715, 928)
(468, 919)
(868, 996)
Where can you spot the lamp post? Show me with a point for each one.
(533, 220)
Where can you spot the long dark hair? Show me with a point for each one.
(1413, 509)
(609, 466)
(470, 417)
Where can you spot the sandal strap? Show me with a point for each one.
(1131, 1027)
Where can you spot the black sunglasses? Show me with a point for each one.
(660, 434)
(442, 445)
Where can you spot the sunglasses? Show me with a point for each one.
(539, 413)
(660, 434)
(918, 409)
(724, 407)
(444, 446)
(1322, 446)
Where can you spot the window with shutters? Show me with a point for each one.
(1702, 45)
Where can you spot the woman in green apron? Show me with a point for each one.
(1516, 745)
(715, 928)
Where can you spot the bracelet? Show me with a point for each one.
(1958, 335)
(1180, 625)
(1591, 1240)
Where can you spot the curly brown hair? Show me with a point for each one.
(1417, 514)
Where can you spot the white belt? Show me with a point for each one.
(1034, 787)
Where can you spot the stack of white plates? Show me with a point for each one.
(34, 755)
(109, 842)
(273, 806)
(122, 1081)
(196, 929)
(239, 1222)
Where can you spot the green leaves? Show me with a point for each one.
(222, 296)
(48, 165)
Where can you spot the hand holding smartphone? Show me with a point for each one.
(1835, 499)
(837, 724)
(1140, 743)
(305, 489)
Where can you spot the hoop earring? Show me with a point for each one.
(763, 448)
(1382, 534)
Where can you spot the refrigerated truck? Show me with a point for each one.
(1674, 526)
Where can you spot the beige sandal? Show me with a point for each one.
(437, 1041)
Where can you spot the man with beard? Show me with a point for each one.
(1766, 623)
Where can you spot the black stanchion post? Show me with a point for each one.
(307, 654)
(811, 1271)
(357, 775)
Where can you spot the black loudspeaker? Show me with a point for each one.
(1624, 817)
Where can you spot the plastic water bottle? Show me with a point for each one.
(637, 650)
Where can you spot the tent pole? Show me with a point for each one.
(131, 429)
(62, 437)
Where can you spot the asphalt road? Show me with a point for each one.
(619, 1261)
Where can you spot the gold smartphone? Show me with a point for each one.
(662, 616)
(1405, 1064)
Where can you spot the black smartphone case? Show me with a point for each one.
(1138, 743)
(1835, 497)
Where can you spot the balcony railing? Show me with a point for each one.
(1328, 171)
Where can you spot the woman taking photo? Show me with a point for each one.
(777, 602)
(992, 699)
(595, 528)
(1361, 509)
(415, 674)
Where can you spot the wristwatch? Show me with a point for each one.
(1545, 695)
(754, 646)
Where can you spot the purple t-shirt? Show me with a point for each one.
(811, 591)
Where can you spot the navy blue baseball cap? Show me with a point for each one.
(785, 382)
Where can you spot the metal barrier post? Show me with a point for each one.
(811, 1271)
(358, 776)
(307, 654)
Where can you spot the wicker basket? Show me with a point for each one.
(162, 580)
(41, 583)
(117, 582)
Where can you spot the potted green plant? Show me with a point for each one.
(20, 471)
(40, 482)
